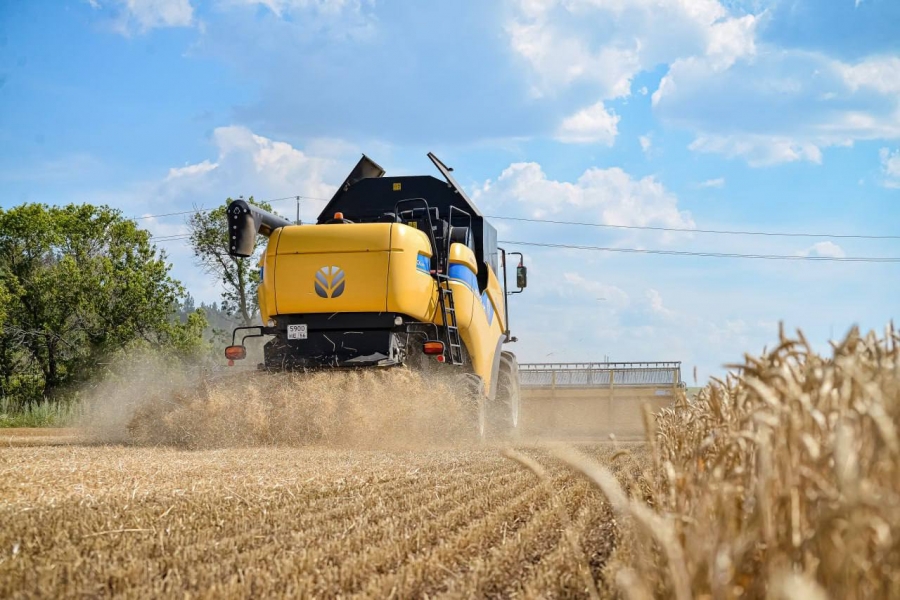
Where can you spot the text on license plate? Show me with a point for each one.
(297, 332)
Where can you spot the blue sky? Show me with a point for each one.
(768, 115)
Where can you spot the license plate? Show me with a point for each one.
(297, 332)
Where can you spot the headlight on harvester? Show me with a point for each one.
(270, 323)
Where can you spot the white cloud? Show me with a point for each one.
(277, 168)
(731, 39)
(655, 302)
(646, 143)
(144, 15)
(591, 125)
(598, 291)
(713, 183)
(284, 7)
(604, 44)
(824, 249)
(783, 105)
(890, 167)
(609, 196)
(608, 42)
(740, 97)
(241, 163)
(189, 170)
(881, 73)
(758, 150)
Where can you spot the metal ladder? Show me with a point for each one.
(440, 244)
(448, 314)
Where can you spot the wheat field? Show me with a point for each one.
(252, 522)
(781, 481)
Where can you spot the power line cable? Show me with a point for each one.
(196, 210)
(874, 259)
(602, 225)
(170, 238)
(718, 231)
(856, 259)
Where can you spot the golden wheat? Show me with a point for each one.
(83, 520)
(782, 481)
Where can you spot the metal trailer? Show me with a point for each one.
(594, 400)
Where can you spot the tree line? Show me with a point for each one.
(80, 284)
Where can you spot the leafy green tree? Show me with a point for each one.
(239, 276)
(4, 302)
(6, 350)
(79, 282)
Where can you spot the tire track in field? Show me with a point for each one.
(305, 546)
(295, 569)
(424, 568)
(557, 563)
(343, 563)
(245, 513)
(489, 573)
(297, 522)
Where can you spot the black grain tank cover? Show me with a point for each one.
(366, 195)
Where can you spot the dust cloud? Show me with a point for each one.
(151, 404)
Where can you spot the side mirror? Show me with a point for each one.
(522, 277)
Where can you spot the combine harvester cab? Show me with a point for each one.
(396, 271)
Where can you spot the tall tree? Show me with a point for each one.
(239, 276)
(79, 282)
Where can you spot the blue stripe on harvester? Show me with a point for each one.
(488, 307)
(464, 274)
(423, 263)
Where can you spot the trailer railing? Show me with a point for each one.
(604, 374)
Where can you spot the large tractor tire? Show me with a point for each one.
(500, 415)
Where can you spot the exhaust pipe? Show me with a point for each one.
(245, 221)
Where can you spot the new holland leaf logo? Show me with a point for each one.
(330, 282)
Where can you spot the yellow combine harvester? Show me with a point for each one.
(397, 271)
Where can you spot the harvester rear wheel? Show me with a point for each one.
(500, 416)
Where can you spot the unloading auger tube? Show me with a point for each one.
(396, 271)
(245, 222)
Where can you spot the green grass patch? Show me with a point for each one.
(46, 413)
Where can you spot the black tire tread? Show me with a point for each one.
(498, 410)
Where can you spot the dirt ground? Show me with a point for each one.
(118, 520)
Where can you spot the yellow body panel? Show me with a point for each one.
(463, 255)
(266, 290)
(497, 297)
(411, 290)
(480, 324)
(361, 252)
(385, 268)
